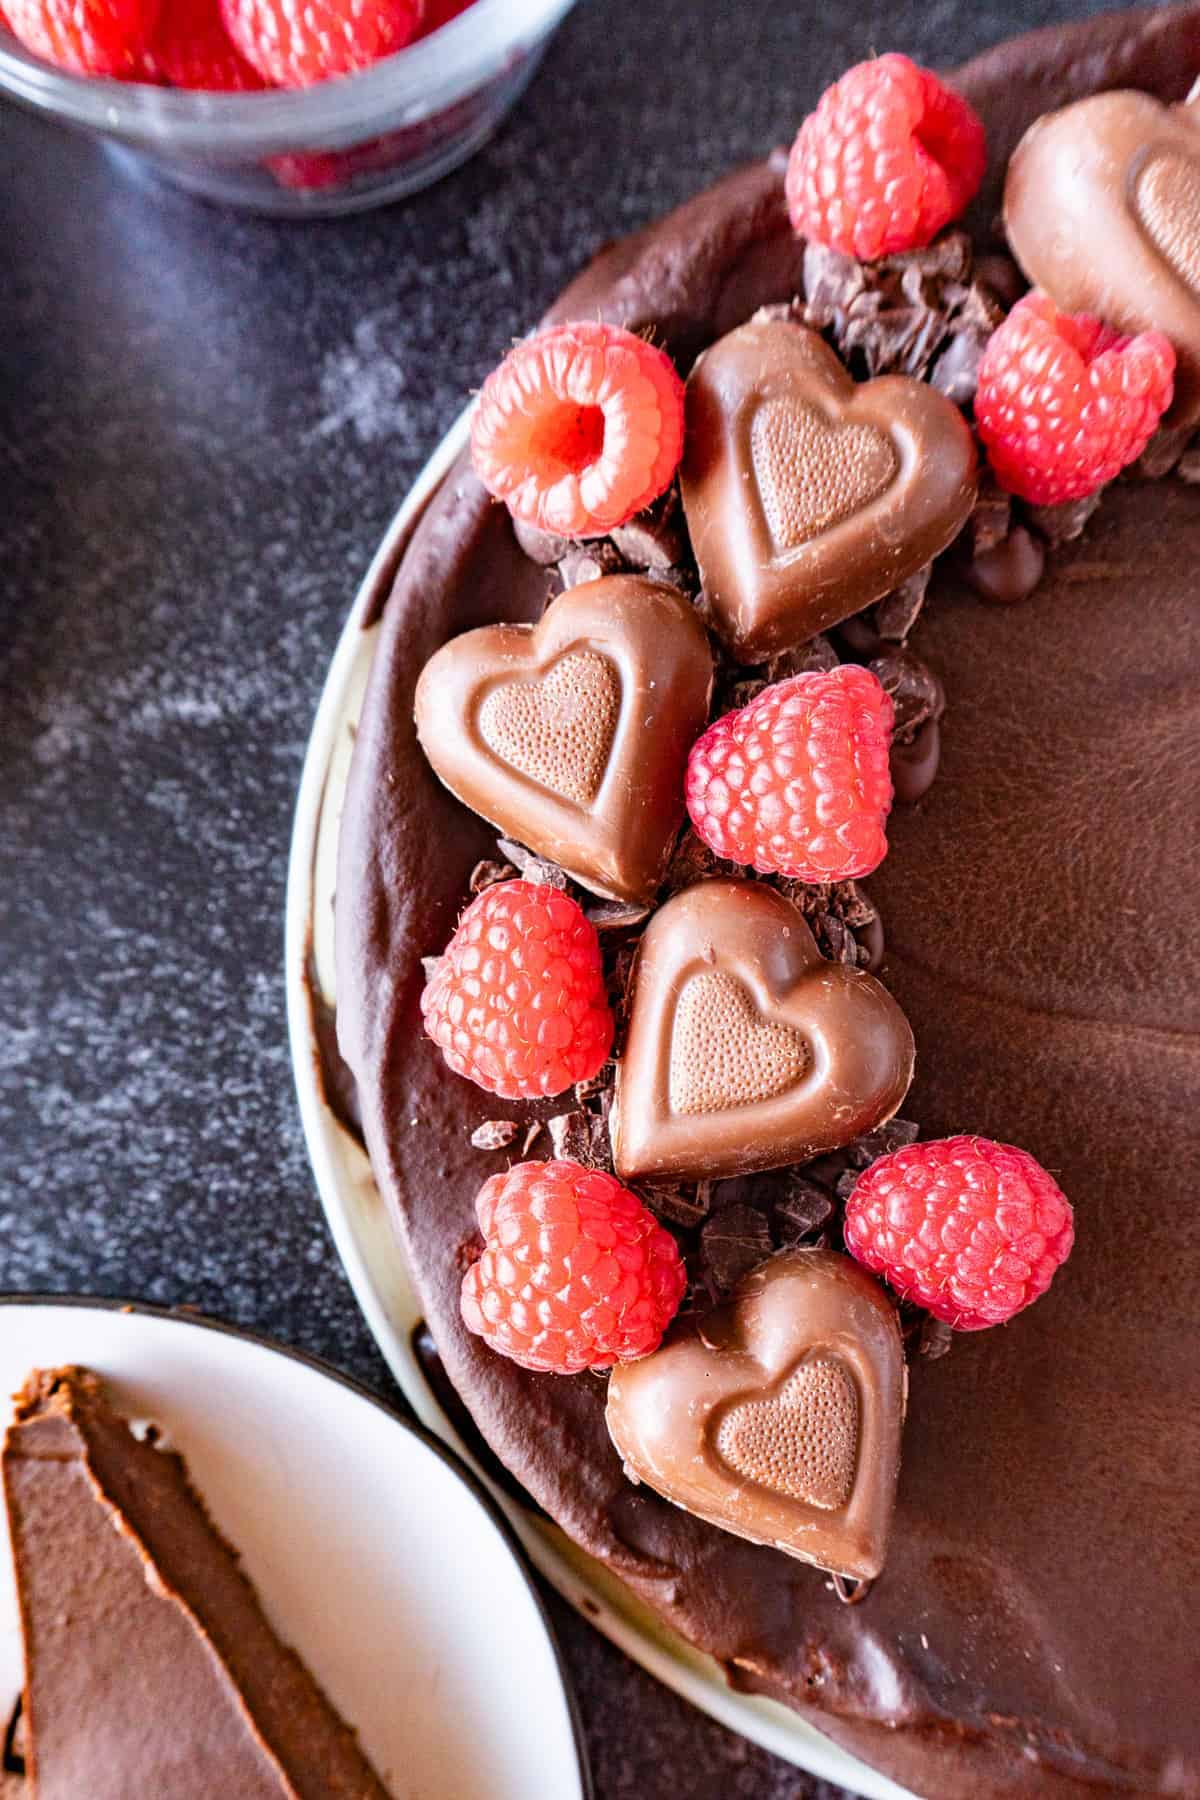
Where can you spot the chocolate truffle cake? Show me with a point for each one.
(1034, 1629)
(150, 1668)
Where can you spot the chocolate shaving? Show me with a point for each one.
(533, 868)
(916, 692)
(616, 915)
(693, 861)
(494, 1134)
(1163, 453)
(800, 1210)
(532, 1134)
(897, 613)
(487, 873)
(910, 314)
(1063, 524)
(935, 1339)
(655, 540)
(430, 965)
(684, 1206)
(600, 1083)
(896, 1134)
(991, 517)
(542, 547)
(818, 655)
(583, 1138)
(732, 1242)
(588, 562)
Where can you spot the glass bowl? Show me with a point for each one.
(338, 147)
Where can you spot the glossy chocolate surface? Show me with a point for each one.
(1035, 1630)
(745, 1049)
(1102, 209)
(777, 1415)
(809, 495)
(572, 735)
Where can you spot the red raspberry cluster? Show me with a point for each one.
(222, 46)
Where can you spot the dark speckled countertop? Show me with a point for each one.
(206, 421)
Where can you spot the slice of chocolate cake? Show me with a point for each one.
(150, 1668)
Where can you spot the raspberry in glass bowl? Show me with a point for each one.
(342, 142)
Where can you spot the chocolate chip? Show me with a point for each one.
(494, 1134)
(732, 1242)
(1009, 571)
(915, 765)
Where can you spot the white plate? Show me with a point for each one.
(370, 1249)
(372, 1553)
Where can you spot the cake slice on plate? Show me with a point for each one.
(150, 1667)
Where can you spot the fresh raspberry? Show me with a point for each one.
(295, 46)
(440, 12)
(579, 428)
(85, 37)
(889, 157)
(970, 1229)
(575, 1272)
(1064, 402)
(797, 783)
(517, 1002)
(191, 48)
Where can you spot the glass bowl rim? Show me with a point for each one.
(403, 89)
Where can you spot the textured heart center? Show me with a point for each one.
(1167, 202)
(802, 1441)
(559, 729)
(724, 1053)
(812, 472)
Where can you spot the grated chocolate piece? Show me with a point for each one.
(935, 1339)
(1063, 524)
(543, 547)
(654, 540)
(533, 868)
(494, 1134)
(800, 1211)
(683, 1206)
(732, 1242)
(616, 915)
(486, 874)
(895, 1134)
(916, 692)
(1163, 453)
(991, 519)
(588, 562)
(896, 614)
(583, 1138)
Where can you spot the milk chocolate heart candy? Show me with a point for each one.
(807, 495)
(1102, 209)
(777, 1416)
(745, 1049)
(572, 735)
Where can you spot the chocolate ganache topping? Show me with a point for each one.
(1035, 1629)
